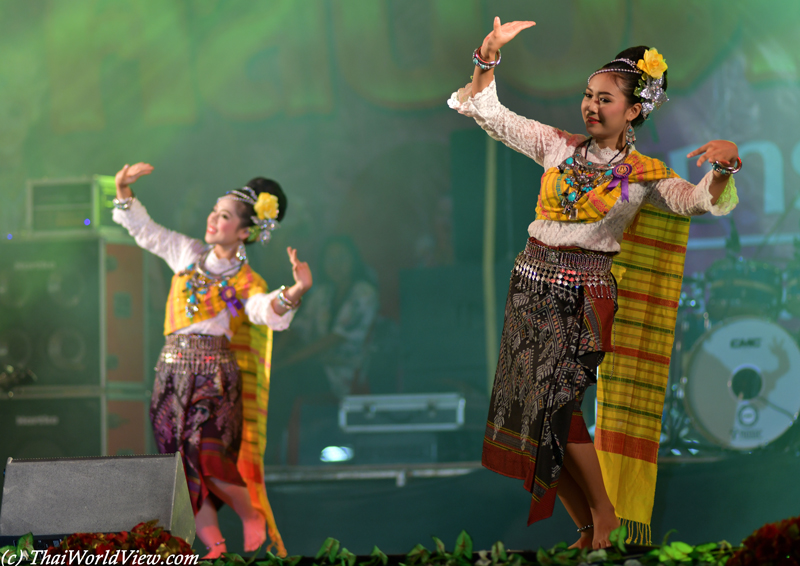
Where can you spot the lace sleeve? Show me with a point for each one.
(259, 310)
(682, 197)
(529, 137)
(174, 248)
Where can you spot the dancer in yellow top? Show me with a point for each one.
(212, 379)
(601, 204)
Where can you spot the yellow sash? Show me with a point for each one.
(633, 379)
(252, 346)
(595, 204)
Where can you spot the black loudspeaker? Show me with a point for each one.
(73, 423)
(56, 497)
(72, 311)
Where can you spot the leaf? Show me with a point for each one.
(617, 538)
(706, 547)
(329, 549)
(543, 558)
(682, 547)
(666, 537)
(377, 553)
(463, 546)
(418, 554)
(347, 557)
(25, 544)
(499, 552)
(440, 549)
(292, 560)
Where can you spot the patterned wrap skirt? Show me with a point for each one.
(196, 409)
(558, 318)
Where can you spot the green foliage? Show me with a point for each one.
(22, 551)
(332, 553)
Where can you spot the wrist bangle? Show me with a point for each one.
(123, 204)
(727, 169)
(286, 303)
(485, 65)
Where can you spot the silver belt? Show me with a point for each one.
(541, 269)
(196, 352)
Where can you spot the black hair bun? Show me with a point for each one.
(262, 185)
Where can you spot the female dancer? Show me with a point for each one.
(212, 379)
(563, 298)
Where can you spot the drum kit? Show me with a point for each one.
(734, 382)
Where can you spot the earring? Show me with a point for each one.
(630, 135)
(241, 253)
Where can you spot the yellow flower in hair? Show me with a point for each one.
(653, 63)
(267, 206)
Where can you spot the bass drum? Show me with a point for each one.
(739, 287)
(742, 384)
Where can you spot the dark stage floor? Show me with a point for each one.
(703, 500)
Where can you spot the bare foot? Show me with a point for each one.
(215, 551)
(585, 541)
(255, 532)
(605, 521)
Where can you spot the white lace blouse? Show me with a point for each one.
(179, 252)
(549, 147)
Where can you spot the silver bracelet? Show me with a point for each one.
(286, 303)
(727, 169)
(123, 204)
(585, 528)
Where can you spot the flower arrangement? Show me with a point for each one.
(774, 543)
(145, 538)
(651, 82)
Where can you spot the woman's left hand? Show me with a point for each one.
(723, 151)
(300, 270)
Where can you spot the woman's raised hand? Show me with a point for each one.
(300, 271)
(500, 35)
(723, 151)
(128, 176)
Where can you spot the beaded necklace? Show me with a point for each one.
(202, 280)
(585, 176)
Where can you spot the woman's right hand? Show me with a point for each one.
(128, 176)
(500, 35)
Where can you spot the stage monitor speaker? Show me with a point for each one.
(56, 497)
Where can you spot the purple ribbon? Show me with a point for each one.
(228, 295)
(620, 174)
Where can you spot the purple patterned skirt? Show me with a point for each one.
(196, 409)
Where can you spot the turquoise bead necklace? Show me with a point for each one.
(584, 175)
(202, 280)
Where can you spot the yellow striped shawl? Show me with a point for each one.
(595, 204)
(633, 379)
(252, 346)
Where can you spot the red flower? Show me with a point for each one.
(778, 543)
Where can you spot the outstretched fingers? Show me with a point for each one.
(292, 252)
(701, 151)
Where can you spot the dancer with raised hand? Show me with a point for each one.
(211, 387)
(602, 204)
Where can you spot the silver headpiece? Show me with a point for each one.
(262, 228)
(650, 90)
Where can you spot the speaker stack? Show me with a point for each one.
(72, 314)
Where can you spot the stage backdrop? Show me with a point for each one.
(344, 103)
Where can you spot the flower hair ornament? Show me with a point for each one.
(651, 80)
(266, 207)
